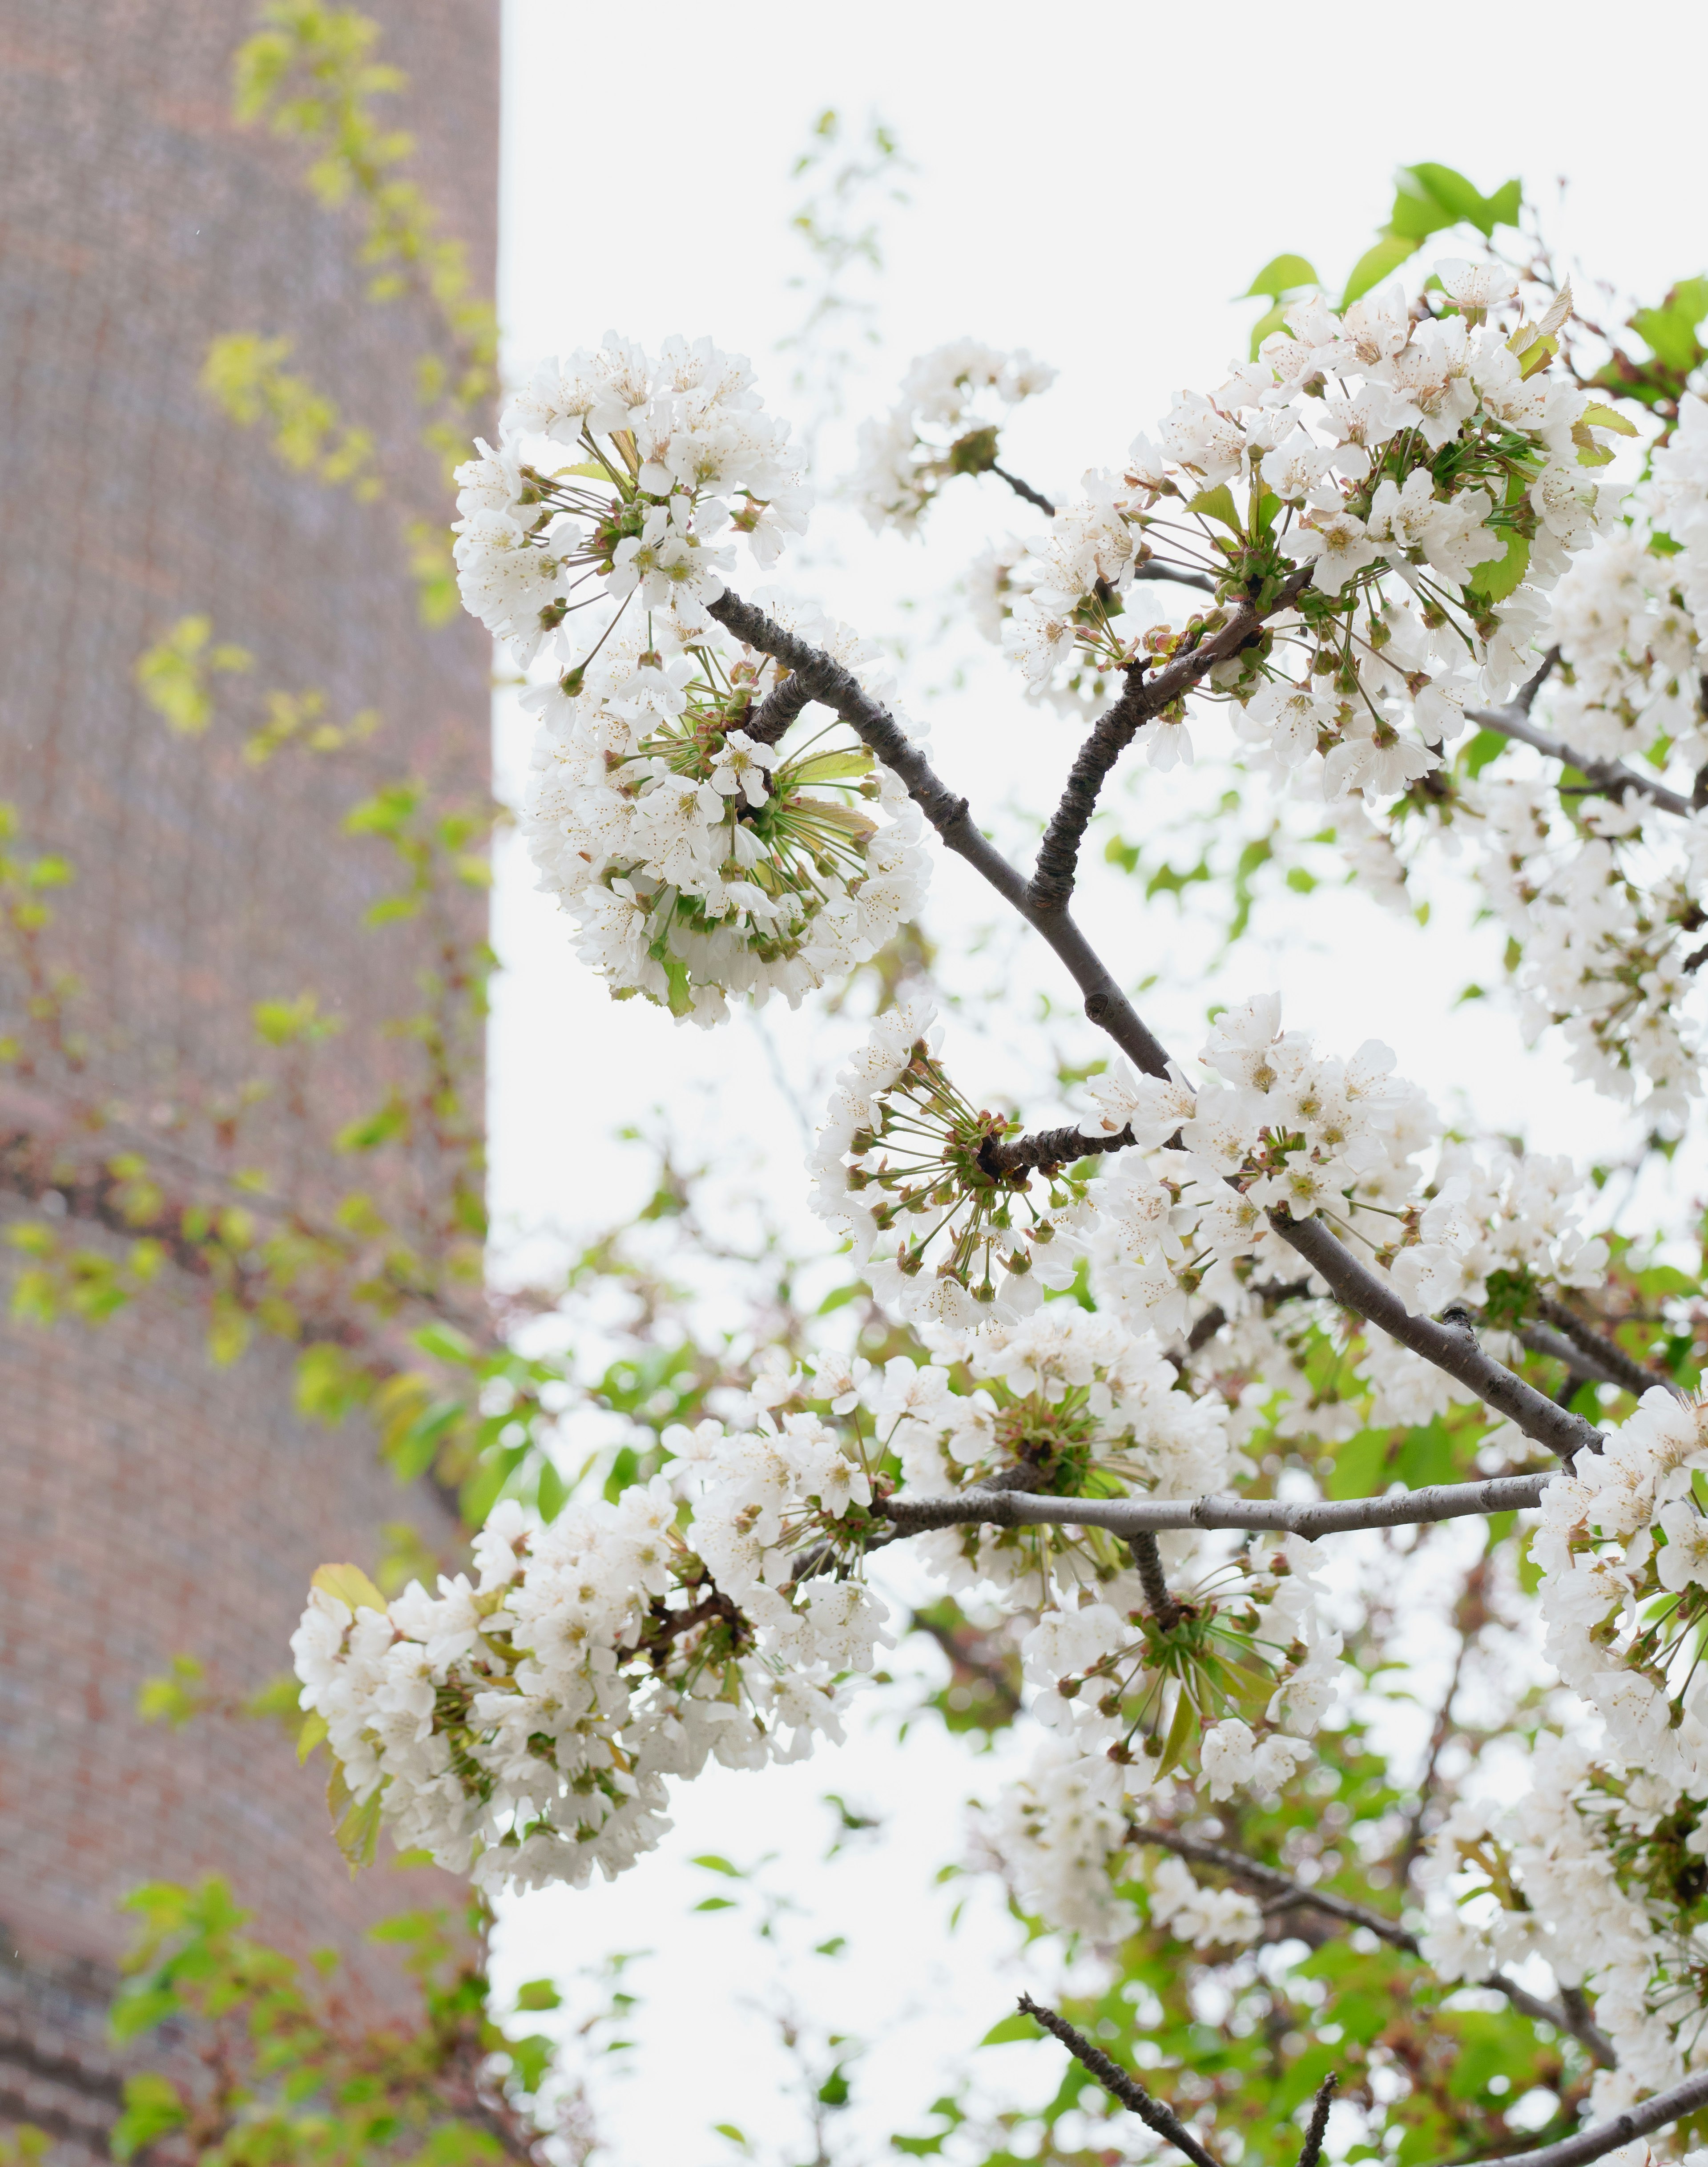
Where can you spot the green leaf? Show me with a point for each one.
(1670, 331)
(1180, 1731)
(1374, 265)
(309, 1737)
(539, 1994)
(837, 1295)
(1597, 416)
(152, 2105)
(833, 766)
(1462, 203)
(1497, 576)
(716, 1903)
(1016, 2025)
(138, 2010)
(1485, 746)
(551, 1493)
(713, 1864)
(1218, 504)
(1280, 275)
(445, 1341)
(349, 1584)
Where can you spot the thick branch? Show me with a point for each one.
(1616, 1366)
(1276, 1884)
(1611, 776)
(827, 680)
(1656, 2113)
(1119, 2085)
(1107, 1007)
(1456, 1352)
(1144, 699)
(1047, 1148)
(778, 709)
(1128, 1517)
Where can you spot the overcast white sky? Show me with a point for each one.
(1097, 184)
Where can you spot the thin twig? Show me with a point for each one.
(1118, 2085)
(1158, 1599)
(1312, 2150)
(1282, 1886)
(1024, 488)
(1667, 2106)
(1153, 569)
(1127, 1517)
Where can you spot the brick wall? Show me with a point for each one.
(151, 1504)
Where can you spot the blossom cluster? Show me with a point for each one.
(953, 405)
(616, 472)
(902, 1165)
(1596, 1866)
(1623, 1549)
(522, 1726)
(1131, 1716)
(1597, 893)
(698, 860)
(1421, 473)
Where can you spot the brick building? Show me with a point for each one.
(151, 1503)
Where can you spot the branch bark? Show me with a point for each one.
(1276, 1884)
(1047, 1148)
(876, 728)
(1128, 1517)
(1611, 776)
(1107, 1007)
(1456, 1352)
(1656, 2113)
(1119, 2085)
(1616, 1366)
(1144, 699)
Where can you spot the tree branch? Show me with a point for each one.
(1047, 1148)
(1024, 488)
(1107, 1007)
(1611, 776)
(1128, 1517)
(1153, 569)
(825, 679)
(1313, 2148)
(1276, 1884)
(1456, 1352)
(1667, 2106)
(771, 718)
(1144, 699)
(1115, 2080)
(1616, 1366)
(1148, 1560)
